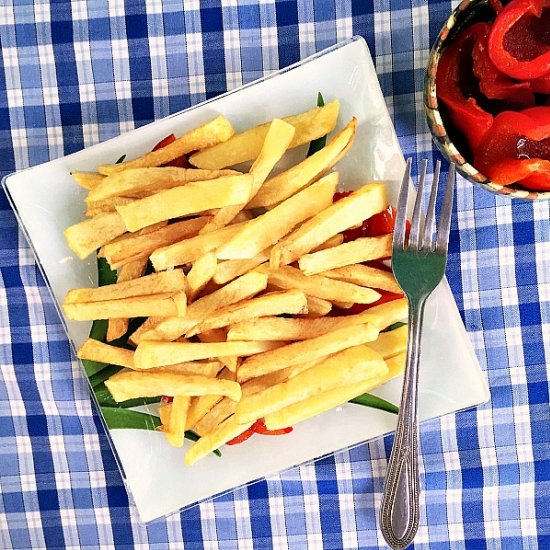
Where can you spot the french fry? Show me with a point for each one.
(165, 409)
(149, 324)
(230, 269)
(343, 305)
(215, 131)
(317, 307)
(350, 366)
(157, 354)
(94, 350)
(332, 242)
(276, 142)
(275, 303)
(391, 343)
(281, 329)
(267, 229)
(85, 237)
(225, 407)
(230, 362)
(165, 304)
(302, 352)
(261, 383)
(88, 180)
(354, 252)
(200, 274)
(320, 287)
(132, 384)
(185, 200)
(201, 405)
(244, 287)
(242, 216)
(116, 328)
(178, 420)
(347, 212)
(215, 416)
(286, 184)
(141, 246)
(209, 369)
(365, 275)
(189, 250)
(396, 365)
(108, 205)
(156, 283)
(302, 410)
(134, 182)
(247, 145)
(206, 444)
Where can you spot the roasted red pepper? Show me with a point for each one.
(493, 83)
(496, 5)
(457, 86)
(517, 149)
(258, 427)
(519, 42)
(541, 85)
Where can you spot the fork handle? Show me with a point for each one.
(399, 512)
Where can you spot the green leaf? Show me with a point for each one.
(121, 159)
(131, 420)
(92, 367)
(397, 325)
(369, 400)
(103, 374)
(317, 144)
(105, 275)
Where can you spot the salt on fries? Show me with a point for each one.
(248, 268)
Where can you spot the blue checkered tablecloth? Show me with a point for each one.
(75, 73)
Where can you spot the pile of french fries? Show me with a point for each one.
(247, 268)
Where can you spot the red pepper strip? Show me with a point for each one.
(381, 223)
(180, 162)
(493, 83)
(456, 89)
(258, 427)
(164, 142)
(519, 42)
(262, 429)
(242, 437)
(516, 148)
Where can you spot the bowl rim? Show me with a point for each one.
(437, 127)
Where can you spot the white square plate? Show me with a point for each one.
(46, 201)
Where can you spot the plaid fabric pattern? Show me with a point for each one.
(75, 73)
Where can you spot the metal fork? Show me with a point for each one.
(418, 268)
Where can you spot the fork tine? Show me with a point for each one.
(401, 216)
(416, 221)
(446, 210)
(429, 224)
